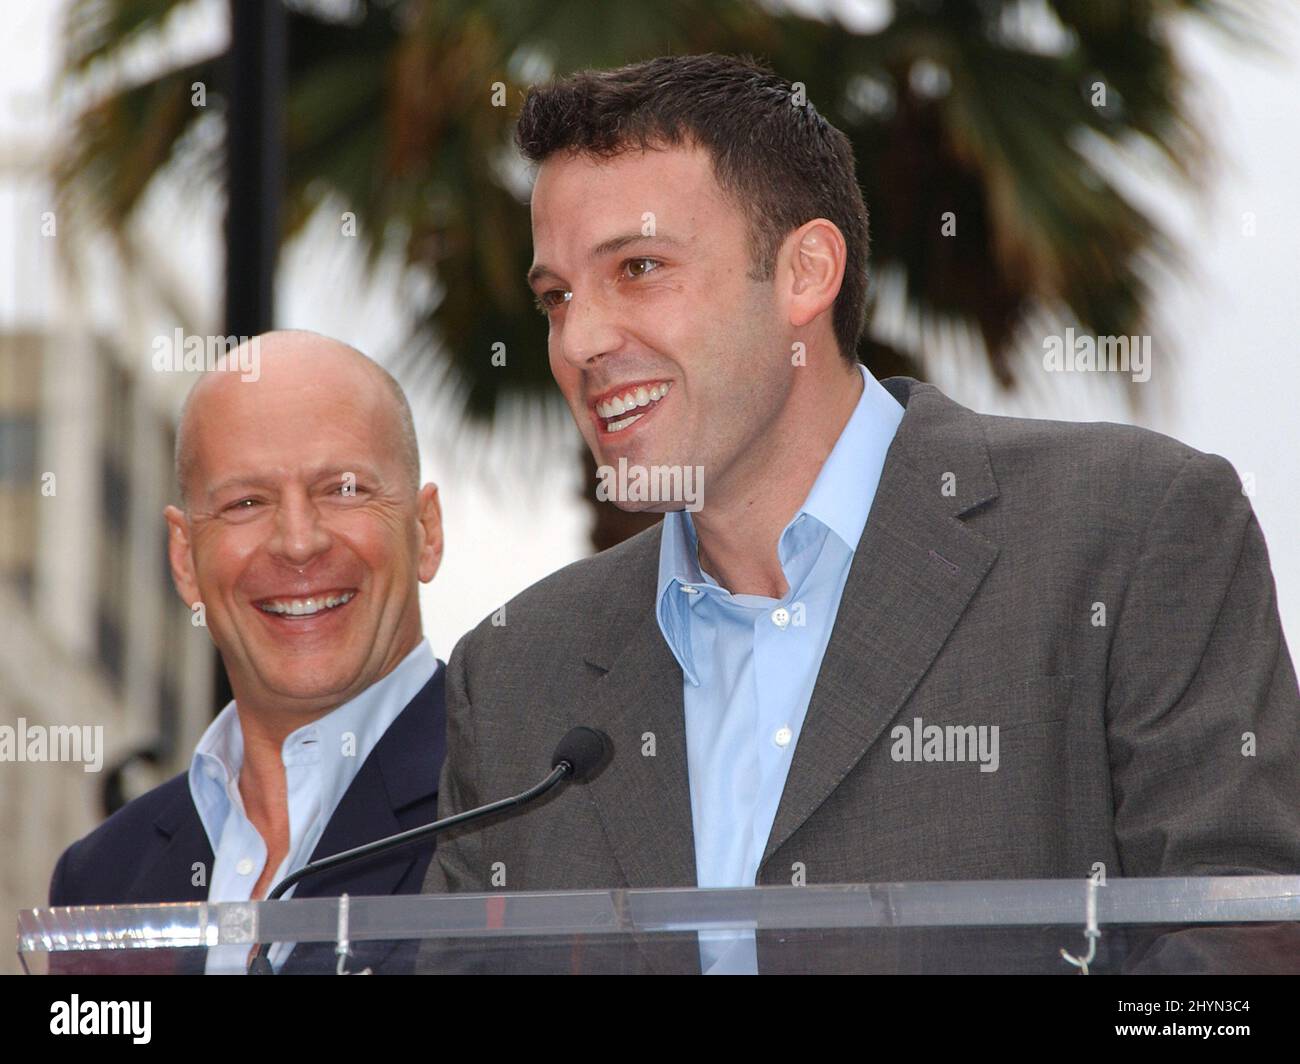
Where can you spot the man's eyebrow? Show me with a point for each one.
(361, 470)
(618, 243)
(243, 481)
(607, 247)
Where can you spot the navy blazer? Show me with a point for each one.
(145, 852)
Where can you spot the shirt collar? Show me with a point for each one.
(680, 581)
(353, 728)
(845, 488)
(840, 499)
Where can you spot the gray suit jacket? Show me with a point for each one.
(1100, 592)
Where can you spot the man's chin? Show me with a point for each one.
(306, 685)
(649, 507)
(639, 484)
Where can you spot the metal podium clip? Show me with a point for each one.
(1091, 931)
(344, 948)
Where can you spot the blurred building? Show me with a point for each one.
(95, 635)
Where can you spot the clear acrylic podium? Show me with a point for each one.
(1237, 924)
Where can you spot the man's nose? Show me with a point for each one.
(590, 329)
(299, 534)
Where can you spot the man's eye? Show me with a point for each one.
(640, 267)
(242, 504)
(549, 300)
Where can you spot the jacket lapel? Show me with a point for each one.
(914, 571)
(395, 789)
(399, 776)
(170, 875)
(645, 806)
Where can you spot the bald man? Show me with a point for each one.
(301, 539)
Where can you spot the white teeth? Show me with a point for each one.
(306, 607)
(622, 423)
(640, 396)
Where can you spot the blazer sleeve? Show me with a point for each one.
(456, 864)
(60, 889)
(1202, 708)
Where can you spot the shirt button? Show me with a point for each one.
(212, 771)
(783, 737)
(245, 867)
(780, 616)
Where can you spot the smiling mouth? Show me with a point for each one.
(311, 606)
(626, 408)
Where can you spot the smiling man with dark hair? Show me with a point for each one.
(1089, 607)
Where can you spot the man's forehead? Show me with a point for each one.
(595, 206)
(283, 412)
(285, 384)
(658, 171)
(290, 453)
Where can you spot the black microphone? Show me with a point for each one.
(580, 753)
(583, 750)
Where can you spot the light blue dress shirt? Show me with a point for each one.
(321, 759)
(749, 662)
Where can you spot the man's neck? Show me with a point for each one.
(265, 725)
(263, 784)
(264, 788)
(738, 534)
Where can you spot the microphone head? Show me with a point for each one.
(584, 749)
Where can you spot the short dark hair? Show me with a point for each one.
(780, 160)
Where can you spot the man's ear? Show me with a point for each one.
(429, 514)
(816, 259)
(181, 556)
